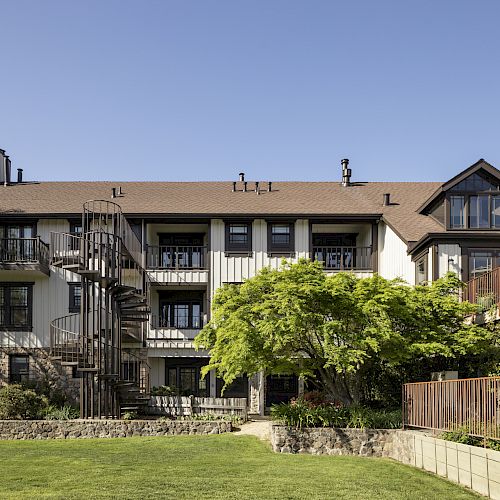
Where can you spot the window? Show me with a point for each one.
(17, 242)
(76, 229)
(457, 205)
(482, 260)
(421, 270)
(474, 205)
(18, 368)
(238, 237)
(16, 303)
(75, 297)
(181, 315)
(280, 237)
(186, 378)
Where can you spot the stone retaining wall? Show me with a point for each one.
(82, 429)
(332, 441)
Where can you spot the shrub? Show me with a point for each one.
(65, 412)
(17, 403)
(130, 415)
(213, 417)
(164, 390)
(302, 413)
(461, 435)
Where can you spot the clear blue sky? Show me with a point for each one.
(281, 89)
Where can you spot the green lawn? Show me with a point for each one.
(215, 467)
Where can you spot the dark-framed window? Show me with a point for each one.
(482, 260)
(181, 315)
(421, 269)
(185, 376)
(75, 229)
(238, 237)
(18, 368)
(75, 297)
(280, 237)
(16, 306)
(474, 203)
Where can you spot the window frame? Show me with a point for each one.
(277, 249)
(425, 259)
(72, 307)
(9, 326)
(232, 248)
(492, 194)
(13, 380)
(170, 306)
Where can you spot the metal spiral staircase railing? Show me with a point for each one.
(114, 308)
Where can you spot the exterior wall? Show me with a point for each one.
(157, 373)
(449, 259)
(394, 262)
(229, 269)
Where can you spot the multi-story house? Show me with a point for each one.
(145, 291)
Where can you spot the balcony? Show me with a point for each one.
(177, 264)
(24, 254)
(178, 333)
(484, 290)
(344, 258)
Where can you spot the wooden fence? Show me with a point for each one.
(177, 406)
(472, 404)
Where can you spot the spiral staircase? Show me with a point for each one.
(114, 306)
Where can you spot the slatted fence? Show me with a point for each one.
(472, 404)
(176, 406)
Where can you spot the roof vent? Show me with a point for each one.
(257, 187)
(19, 175)
(242, 176)
(346, 172)
(269, 186)
(113, 192)
(387, 199)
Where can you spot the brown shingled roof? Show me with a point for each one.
(217, 198)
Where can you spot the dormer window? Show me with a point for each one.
(474, 203)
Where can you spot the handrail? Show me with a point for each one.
(341, 258)
(484, 290)
(24, 250)
(176, 257)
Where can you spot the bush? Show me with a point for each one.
(130, 415)
(17, 403)
(164, 390)
(461, 435)
(302, 413)
(213, 417)
(65, 412)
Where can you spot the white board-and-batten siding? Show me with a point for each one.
(394, 261)
(234, 269)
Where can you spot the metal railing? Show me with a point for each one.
(484, 290)
(176, 257)
(193, 322)
(24, 250)
(471, 404)
(344, 258)
(136, 370)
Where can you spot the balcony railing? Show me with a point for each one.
(24, 251)
(344, 258)
(484, 290)
(194, 322)
(176, 257)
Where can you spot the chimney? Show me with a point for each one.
(346, 172)
(269, 186)
(387, 199)
(242, 176)
(113, 192)
(4, 168)
(19, 175)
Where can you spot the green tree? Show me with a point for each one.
(298, 320)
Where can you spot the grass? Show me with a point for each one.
(210, 467)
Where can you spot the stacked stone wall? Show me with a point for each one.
(85, 429)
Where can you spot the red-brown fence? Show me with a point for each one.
(484, 290)
(472, 404)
